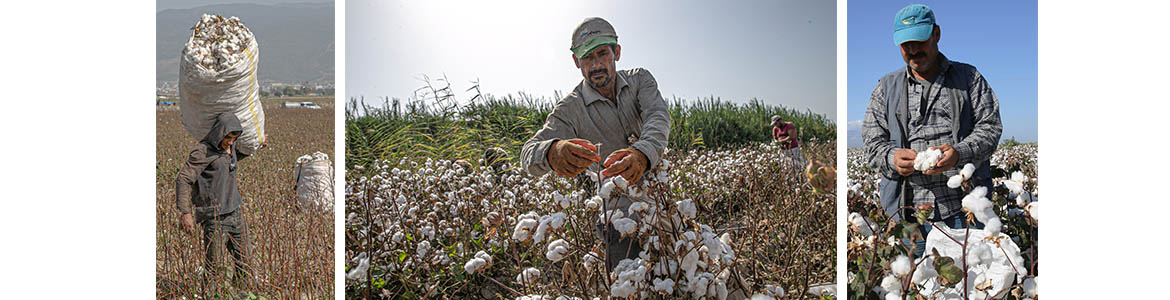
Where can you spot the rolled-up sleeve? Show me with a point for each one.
(534, 155)
(980, 144)
(879, 151)
(655, 119)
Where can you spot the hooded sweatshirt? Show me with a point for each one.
(206, 185)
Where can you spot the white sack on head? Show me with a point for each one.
(217, 74)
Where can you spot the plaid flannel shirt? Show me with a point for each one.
(933, 128)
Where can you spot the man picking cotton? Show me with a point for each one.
(933, 103)
(621, 110)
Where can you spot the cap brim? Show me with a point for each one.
(592, 43)
(916, 34)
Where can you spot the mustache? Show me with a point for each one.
(915, 55)
(598, 71)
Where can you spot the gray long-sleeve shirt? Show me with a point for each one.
(639, 111)
(929, 124)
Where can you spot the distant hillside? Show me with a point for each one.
(296, 39)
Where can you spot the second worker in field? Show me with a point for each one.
(622, 110)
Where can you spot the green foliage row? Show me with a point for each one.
(441, 129)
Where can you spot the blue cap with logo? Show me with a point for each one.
(913, 23)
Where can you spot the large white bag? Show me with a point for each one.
(1000, 262)
(314, 178)
(205, 93)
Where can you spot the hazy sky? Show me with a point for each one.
(783, 52)
(997, 37)
(160, 5)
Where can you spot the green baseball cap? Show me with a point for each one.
(591, 33)
(913, 23)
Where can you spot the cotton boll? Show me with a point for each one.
(524, 226)
(620, 182)
(593, 203)
(556, 250)
(927, 159)
(892, 285)
(955, 181)
(423, 247)
(774, 290)
(759, 296)
(474, 265)
(968, 171)
(637, 207)
(622, 289)
(528, 276)
(687, 208)
(1034, 210)
(861, 224)
(663, 286)
(606, 189)
(591, 260)
(925, 271)
(900, 266)
(993, 226)
(484, 256)
(359, 273)
(1030, 286)
(979, 253)
(553, 221)
(625, 226)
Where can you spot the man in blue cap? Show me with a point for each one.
(932, 103)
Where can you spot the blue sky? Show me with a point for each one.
(783, 52)
(997, 37)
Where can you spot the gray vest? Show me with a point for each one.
(894, 191)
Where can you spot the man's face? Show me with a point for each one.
(921, 56)
(598, 66)
(228, 140)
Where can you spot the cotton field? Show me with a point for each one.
(712, 224)
(291, 243)
(996, 262)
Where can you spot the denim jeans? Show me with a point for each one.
(958, 221)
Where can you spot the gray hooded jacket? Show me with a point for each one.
(206, 185)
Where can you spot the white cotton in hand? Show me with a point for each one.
(927, 159)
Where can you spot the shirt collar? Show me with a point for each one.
(590, 95)
(943, 63)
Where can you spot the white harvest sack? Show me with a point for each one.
(205, 92)
(998, 261)
(314, 178)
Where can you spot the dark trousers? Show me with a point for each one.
(231, 231)
(619, 248)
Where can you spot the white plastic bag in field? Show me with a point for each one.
(207, 89)
(994, 263)
(314, 178)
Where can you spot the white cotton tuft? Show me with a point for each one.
(625, 225)
(606, 189)
(359, 272)
(591, 260)
(955, 181)
(1030, 286)
(553, 221)
(862, 224)
(687, 208)
(557, 250)
(927, 159)
(993, 226)
(474, 265)
(620, 182)
(1034, 210)
(759, 296)
(528, 276)
(637, 207)
(900, 266)
(593, 203)
(663, 286)
(524, 227)
(423, 248)
(892, 285)
(925, 271)
(968, 171)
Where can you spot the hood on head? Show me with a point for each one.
(224, 123)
